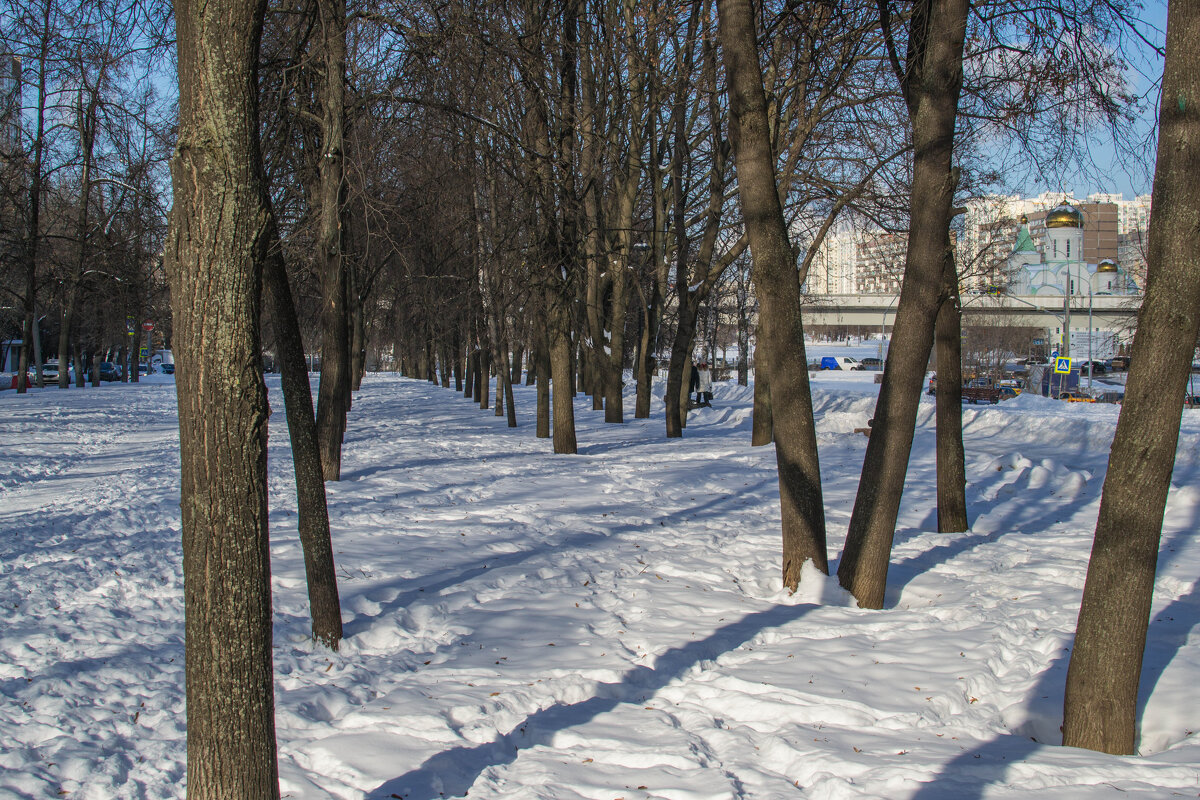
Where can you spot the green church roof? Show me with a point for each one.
(1025, 241)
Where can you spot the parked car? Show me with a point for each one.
(1098, 367)
(1075, 397)
(871, 363)
(50, 371)
(109, 371)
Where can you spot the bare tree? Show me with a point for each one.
(217, 244)
(1100, 703)
(775, 276)
(931, 80)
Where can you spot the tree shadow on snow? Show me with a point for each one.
(428, 586)
(968, 775)
(986, 527)
(451, 773)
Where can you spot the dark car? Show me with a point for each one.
(167, 369)
(109, 371)
(1098, 367)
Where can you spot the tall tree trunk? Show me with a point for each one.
(678, 372)
(87, 140)
(762, 426)
(358, 333)
(214, 257)
(563, 407)
(1102, 680)
(542, 363)
(485, 374)
(951, 457)
(323, 602)
(743, 329)
(333, 401)
(646, 360)
(478, 377)
(801, 505)
(518, 356)
(33, 232)
(931, 83)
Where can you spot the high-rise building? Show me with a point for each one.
(833, 267)
(10, 105)
(880, 264)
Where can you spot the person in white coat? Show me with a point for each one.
(704, 385)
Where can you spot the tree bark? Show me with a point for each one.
(333, 401)
(762, 427)
(214, 257)
(801, 504)
(313, 512)
(932, 84)
(1100, 705)
(951, 457)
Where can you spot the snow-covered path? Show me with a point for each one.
(605, 625)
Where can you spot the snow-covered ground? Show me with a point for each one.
(605, 625)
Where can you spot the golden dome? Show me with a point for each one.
(1106, 266)
(1064, 216)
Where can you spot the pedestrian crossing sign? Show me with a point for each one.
(1062, 366)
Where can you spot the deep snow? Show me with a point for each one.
(605, 625)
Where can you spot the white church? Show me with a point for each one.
(1059, 269)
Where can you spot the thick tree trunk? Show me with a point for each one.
(333, 403)
(678, 372)
(951, 457)
(932, 88)
(214, 256)
(801, 504)
(518, 357)
(762, 426)
(323, 602)
(1102, 680)
(561, 377)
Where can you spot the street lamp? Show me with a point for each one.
(1067, 325)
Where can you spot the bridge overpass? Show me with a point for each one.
(1110, 313)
